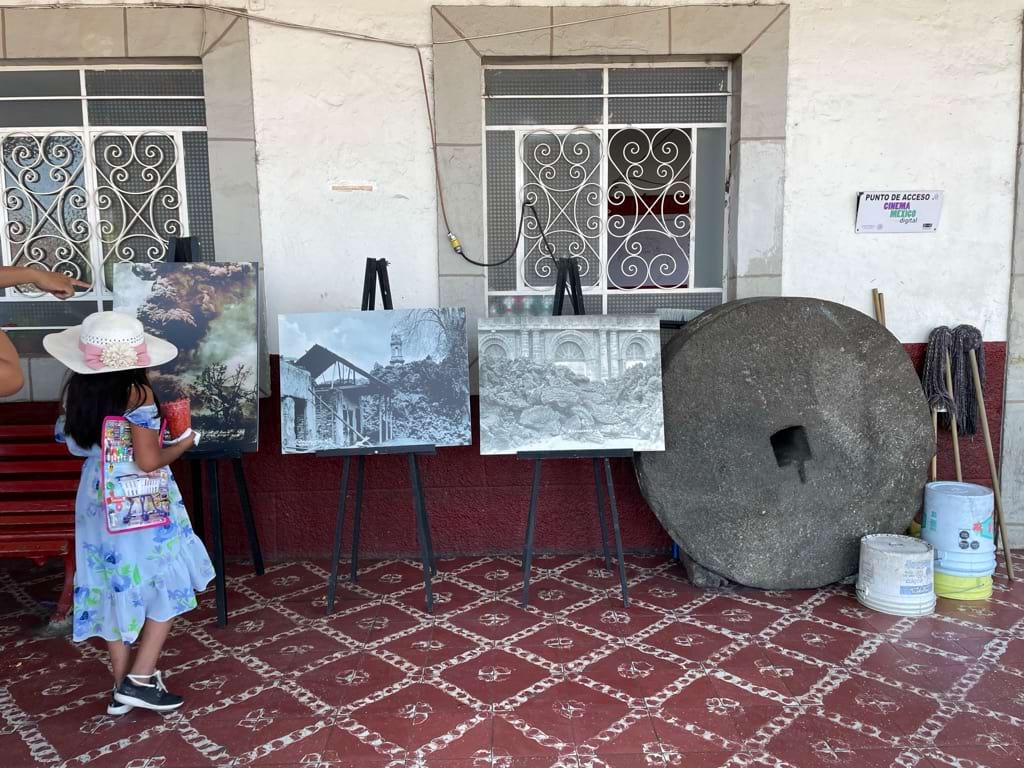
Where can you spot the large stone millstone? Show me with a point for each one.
(739, 383)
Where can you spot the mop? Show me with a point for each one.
(953, 379)
(936, 379)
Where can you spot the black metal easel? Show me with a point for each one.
(568, 278)
(187, 250)
(377, 274)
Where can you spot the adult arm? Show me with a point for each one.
(11, 378)
(57, 283)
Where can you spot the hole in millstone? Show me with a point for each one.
(791, 447)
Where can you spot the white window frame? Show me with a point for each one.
(87, 133)
(603, 131)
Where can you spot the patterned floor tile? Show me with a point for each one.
(496, 621)
(554, 596)
(996, 737)
(354, 741)
(985, 751)
(161, 750)
(421, 648)
(215, 678)
(449, 597)
(914, 667)
(683, 677)
(665, 592)
(707, 692)
(637, 674)
(206, 610)
(34, 657)
(514, 738)
(1013, 657)
(415, 716)
(305, 746)
(297, 648)
(766, 669)
(568, 710)
(494, 675)
(687, 735)
(608, 618)
(290, 582)
(254, 629)
(817, 641)
(684, 639)
(490, 574)
(843, 608)
(599, 721)
(350, 678)
(730, 613)
(21, 751)
(592, 573)
(666, 755)
(893, 710)
(629, 735)
(832, 752)
(474, 744)
(41, 692)
(982, 613)
(560, 642)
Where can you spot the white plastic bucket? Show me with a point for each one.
(958, 523)
(896, 575)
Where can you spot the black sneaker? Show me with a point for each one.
(147, 693)
(114, 707)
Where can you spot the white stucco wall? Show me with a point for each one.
(908, 95)
(913, 94)
(917, 94)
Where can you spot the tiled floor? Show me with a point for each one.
(683, 677)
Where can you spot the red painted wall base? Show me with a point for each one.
(476, 504)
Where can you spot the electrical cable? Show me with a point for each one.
(452, 239)
(546, 246)
(456, 246)
(333, 31)
(544, 27)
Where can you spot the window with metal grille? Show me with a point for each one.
(626, 168)
(99, 166)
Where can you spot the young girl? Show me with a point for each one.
(130, 585)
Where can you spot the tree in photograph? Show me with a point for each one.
(439, 331)
(225, 393)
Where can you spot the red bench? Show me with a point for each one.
(38, 482)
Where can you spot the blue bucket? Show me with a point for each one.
(958, 524)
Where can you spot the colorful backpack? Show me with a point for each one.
(133, 499)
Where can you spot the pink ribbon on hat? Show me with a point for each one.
(94, 355)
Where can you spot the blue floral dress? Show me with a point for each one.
(123, 579)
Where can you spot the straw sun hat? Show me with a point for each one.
(108, 341)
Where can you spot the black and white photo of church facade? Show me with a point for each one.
(570, 383)
(371, 379)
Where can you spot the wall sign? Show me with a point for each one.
(898, 211)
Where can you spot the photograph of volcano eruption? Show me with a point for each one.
(209, 312)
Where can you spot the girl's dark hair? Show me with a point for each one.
(90, 398)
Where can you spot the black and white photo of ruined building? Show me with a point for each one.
(372, 379)
(570, 383)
